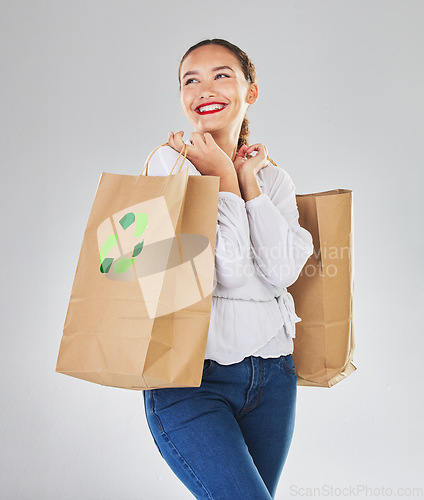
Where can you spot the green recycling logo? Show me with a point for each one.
(139, 243)
(123, 264)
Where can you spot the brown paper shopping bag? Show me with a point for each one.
(323, 293)
(139, 311)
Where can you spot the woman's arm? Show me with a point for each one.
(280, 245)
(232, 241)
(232, 231)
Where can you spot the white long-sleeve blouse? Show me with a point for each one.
(260, 251)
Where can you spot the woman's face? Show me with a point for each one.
(214, 92)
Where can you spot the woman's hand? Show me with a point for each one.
(205, 154)
(253, 164)
(248, 168)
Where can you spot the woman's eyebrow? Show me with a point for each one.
(217, 68)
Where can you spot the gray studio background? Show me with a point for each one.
(91, 86)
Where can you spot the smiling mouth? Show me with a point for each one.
(210, 108)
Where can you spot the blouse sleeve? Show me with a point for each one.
(232, 230)
(280, 246)
(232, 241)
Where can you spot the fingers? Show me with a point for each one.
(256, 147)
(260, 148)
(198, 139)
(171, 141)
(175, 140)
(241, 153)
(209, 140)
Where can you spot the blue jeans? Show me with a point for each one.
(229, 438)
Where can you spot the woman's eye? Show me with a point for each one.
(190, 80)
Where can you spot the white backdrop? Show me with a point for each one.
(91, 86)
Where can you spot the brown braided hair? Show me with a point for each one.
(247, 67)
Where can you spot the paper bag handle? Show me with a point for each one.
(185, 148)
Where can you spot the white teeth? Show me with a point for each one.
(211, 107)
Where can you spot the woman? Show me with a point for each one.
(229, 438)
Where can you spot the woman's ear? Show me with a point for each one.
(252, 93)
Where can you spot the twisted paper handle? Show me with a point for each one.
(185, 148)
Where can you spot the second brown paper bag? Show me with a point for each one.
(323, 293)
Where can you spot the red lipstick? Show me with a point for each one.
(211, 111)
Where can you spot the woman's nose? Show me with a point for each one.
(207, 90)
